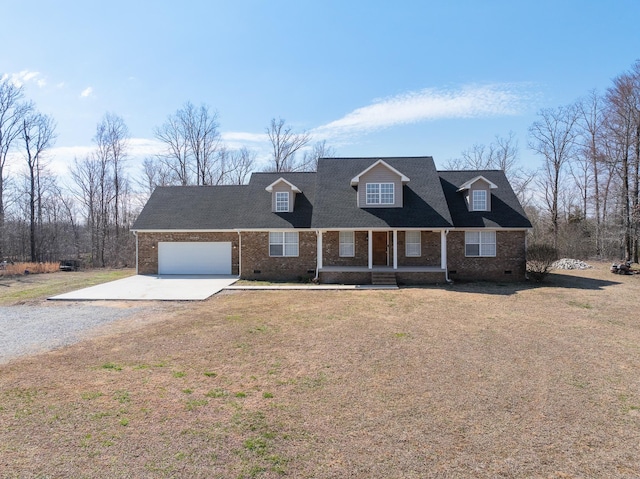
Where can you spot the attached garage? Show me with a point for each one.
(194, 257)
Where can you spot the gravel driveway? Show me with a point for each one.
(33, 329)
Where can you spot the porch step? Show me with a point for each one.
(383, 278)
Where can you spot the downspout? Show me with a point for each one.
(135, 233)
(318, 255)
(239, 254)
(446, 265)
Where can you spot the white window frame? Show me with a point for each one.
(347, 242)
(284, 243)
(479, 201)
(282, 201)
(413, 245)
(483, 241)
(380, 193)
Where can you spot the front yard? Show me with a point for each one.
(476, 380)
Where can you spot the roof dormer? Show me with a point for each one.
(283, 195)
(477, 193)
(379, 186)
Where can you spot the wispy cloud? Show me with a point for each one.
(471, 101)
(87, 92)
(237, 139)
(25, 76)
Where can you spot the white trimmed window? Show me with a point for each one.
(480, 243)
(283, 243)
(347, 243)
(282, 201)
(380, 194)
(412, 243)
(479, 200)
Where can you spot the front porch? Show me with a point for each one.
(382, 257)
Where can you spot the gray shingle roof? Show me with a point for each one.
(328, 200)
(506, 211)
(336, 207)
(227, 207)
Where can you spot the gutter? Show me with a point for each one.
(446, 268)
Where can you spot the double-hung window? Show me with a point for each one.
(480, 243)
(347, 243)
(479, 200)
(412, 243)
(380, 194)
(282, 201)
(283, 243)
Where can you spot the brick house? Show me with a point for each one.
(355, 220)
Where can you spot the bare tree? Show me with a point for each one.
(192, 143)
(38, 134)
(200, 127)
(501, 154)
(112, 138)
(319, 150)
(553, 137)
(154, 174)
(89, 187)
(12, 111)
(285, 144)
(591, 157)
(623, 125)
(239, 166)
(176, 154)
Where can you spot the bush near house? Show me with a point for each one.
(540, 258)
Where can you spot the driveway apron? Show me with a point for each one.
(154, 287)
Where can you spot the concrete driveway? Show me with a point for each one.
(164, 288)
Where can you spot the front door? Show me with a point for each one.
(379, 248)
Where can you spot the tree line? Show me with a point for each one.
(584, 200)
(89, 218)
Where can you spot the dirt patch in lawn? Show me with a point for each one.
(475, 380)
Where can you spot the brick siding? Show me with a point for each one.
(510, 256)
(257, 264)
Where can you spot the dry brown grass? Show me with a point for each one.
(477, 380)
(13, 269)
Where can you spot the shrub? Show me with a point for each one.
(540, 258)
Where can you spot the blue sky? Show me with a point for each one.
(372, 78)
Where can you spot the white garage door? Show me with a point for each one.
(194, 258)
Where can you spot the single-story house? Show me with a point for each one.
(354, 220)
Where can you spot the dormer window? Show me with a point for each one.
(282, 201)
(380, 194)
(379, 186)
(477, 193)
(283, 195)
(479, 200)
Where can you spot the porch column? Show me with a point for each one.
(319, 246)
(370, 249)
(443, 248)
(395, 249)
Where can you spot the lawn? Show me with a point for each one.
(26, 288)
(471, 380)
